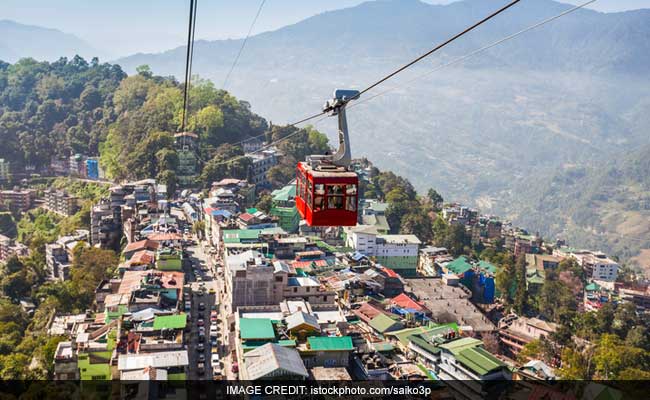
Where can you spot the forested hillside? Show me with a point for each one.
(605, 205)
(55, 109)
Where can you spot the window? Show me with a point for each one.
(319, 197)
(309, 197)
(335, 197)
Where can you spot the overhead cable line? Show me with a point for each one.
(438, 47)
(382, 80)
(191, 28)
(473, 53)
(241, 49)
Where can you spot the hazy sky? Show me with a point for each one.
(123, 27)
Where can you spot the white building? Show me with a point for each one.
(398, 252)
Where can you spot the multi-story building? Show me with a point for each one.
(60, 202)
(261, 163)
(398, 252)
(186, 147)
(58, 263)
(374, 214)
(284, 208)
(597, 265)
(429, 256)
(4, 170)
(77, 165)
(516, 332)
(9, 248)
(250, 280)
(92, 168)
(17, 199)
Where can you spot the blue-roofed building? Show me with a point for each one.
(92, 168)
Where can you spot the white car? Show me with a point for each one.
(214, 361)
(213, 330)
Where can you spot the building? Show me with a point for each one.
(261, 162)
(186, 148)
(374, 214)
(92, 168)
(105, 225)
(60, 202)
(10, 248)
(470, 368)
(272, 361)
(327, 351)
(430, 256)
(16, 199)
(58, 262)
(398, 252)
(77, 165)
(5, 172)
(597, 265)
(515, 332)
(250, 281)
(283, 207)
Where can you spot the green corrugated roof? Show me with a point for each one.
(237, 235)
(178, 321)
(487, 266)
(256, 328)
(330, 343)
(592, 287)
(461, 344)
(460, 265)
(382, 323)
(403, 334)
(479, 360)
(420, 342)
(285, 193)
(383, 346)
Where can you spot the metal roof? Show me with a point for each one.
(165, 359)
(256, 328)
(177, 321)
(274, 359)
(330, 343)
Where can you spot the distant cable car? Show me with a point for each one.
(326, 190)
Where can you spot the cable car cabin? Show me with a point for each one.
(326, 195)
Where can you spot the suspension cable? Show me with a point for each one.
(241, 49)
(188, 61)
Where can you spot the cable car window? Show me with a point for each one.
(309, 194)
(335, 199)
(319, 189)
(318, 203)
(351, 203)
(351, 190)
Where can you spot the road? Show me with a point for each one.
(200, 264)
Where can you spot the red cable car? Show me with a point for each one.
(326, 190)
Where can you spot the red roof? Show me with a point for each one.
(404, 301)
(208, 210)
(246, 217)
(132, 280)
(368, 311)
(391, 273)
(161, 237)
(305, 264)
(142, 244)
(142, 257)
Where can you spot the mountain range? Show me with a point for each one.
(19, 41)
(493, 130)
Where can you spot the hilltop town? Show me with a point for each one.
(229, 283)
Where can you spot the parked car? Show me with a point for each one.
(212, 291)
(201, 306)
(200, 368)
(201, 338)
(214, 360)
(200, 347)
(202, 358)
(200, 322)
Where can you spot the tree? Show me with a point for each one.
(228, 162)
(638, 337)
(90, 266)
(612, 357)
(573, 365)
(169, 178)
(418, 223)
(264, 202)
(506, 282)
(435, 198)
